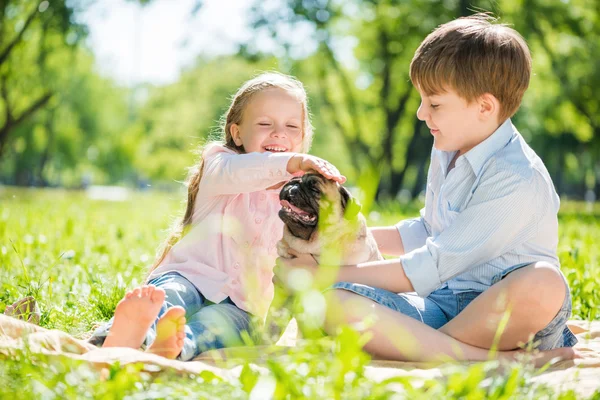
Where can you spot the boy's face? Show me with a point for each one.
(456, 125)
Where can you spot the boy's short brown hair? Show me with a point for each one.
(472, 56)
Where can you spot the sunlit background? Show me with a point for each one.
(118, 92)
(103, 103)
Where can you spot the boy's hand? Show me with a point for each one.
(322, 277)
(306, 163)
(284, 266)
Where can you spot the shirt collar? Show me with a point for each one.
(479, 154)
(444, 159)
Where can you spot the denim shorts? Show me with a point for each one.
(208, 325)
(442, 305)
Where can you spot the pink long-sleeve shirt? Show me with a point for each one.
(230, 249)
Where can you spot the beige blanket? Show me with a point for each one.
(581, 375)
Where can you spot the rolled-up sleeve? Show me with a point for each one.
(413, 233)
(499, 217)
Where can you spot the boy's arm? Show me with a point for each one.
(388, 275)
(414, 232)
(501, 215)
(402, 238)
(388, 240)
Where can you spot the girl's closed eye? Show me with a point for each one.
(434, 106)
(264, 123)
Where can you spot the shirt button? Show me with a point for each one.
(279, 173)
(258, 220)
(236, 265)
(234, 282)
(262, 197)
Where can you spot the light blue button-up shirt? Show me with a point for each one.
(496, 208)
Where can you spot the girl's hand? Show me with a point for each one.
(306, 162)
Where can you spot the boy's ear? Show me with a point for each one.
(234, 130)
(489, 105)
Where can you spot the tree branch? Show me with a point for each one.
(6, 52)
(9, 124)
(33, 108)
(559, 70)
(4, 93)
(353, 146)
(346, 85)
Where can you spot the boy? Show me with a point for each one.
(484, 247)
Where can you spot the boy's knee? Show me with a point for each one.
(542, 287)
(544, 278)
(338, 312)
(340, 301)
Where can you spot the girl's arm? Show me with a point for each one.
(226, 172)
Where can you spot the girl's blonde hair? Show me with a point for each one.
(234, 115)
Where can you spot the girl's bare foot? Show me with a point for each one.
(134, 316)
(170, 332)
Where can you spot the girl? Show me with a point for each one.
(215, 272)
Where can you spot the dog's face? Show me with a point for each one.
(301, 199)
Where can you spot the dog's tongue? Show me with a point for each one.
(285, 203)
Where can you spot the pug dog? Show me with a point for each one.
(319, 214)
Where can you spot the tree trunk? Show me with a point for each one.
(397, 178)
(46, 153)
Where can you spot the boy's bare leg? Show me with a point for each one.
(533, 295)
(170, 333)
(133, 317)
(395, 336)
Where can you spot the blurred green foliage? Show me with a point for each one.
(63, 124)
(77, 256)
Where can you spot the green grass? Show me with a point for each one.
(77, 257)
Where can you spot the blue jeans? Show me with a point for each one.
(208, 325)
(442, 305)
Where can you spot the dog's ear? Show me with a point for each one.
(350, 205)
